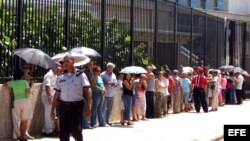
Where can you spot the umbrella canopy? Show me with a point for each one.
(80, 59)
(187, 69)
(133, 69)
(35, 57)
(227, 68)
(86, 51)
(245, 73)
(238, 69)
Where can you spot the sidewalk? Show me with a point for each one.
(175, 127)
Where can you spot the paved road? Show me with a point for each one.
(175, 127)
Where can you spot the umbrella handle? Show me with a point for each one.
(32, 70)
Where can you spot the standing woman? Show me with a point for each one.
(160, 89)
(98, 93)
(22, 103)
(141, 98)
(214, 87)
(128, 84)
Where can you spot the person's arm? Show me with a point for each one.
(127, 85)
(27, 91)
(47, 90)
(94, 85)
(88, 101)
(144, 83)
(54, 104)
(149, 76)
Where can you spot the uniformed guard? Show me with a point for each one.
(70, 87)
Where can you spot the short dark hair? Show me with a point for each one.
(18, 74)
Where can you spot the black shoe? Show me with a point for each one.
(23, 139)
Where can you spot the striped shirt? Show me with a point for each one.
(199, 81)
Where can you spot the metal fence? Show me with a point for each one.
(125, 32)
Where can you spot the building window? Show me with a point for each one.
(193, 3)
(207, 5)
(180, 2)
(220, 5)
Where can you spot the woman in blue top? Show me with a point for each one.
(98, 92)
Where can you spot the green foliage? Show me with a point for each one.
(45, 29)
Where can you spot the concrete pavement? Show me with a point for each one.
(189, 126)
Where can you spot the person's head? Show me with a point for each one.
(214, 72)
(127, 76)
(68, 63)
(160, 74)
(149, 69)
(231, 73)
(223, 74)
(25, 68)
(57, 70)
(120, 76)
(175, 72)
(184, 74)
(90, 65)
(167, 72)
(18, 74)
(97, 70)
(143, 77)
(200, 70)
(110, 67)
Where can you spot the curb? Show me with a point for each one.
(218, 138)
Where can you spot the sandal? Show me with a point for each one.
(130, 123)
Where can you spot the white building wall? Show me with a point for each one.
(239, 6)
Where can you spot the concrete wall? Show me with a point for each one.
(36, 124)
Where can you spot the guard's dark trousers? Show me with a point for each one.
(70, 118)
(200, 99)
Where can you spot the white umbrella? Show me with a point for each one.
(80, 59)
(187, 69)
(133, 69)
(86, 51)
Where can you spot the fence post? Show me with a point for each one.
(19, 30)
(131, 56)
(175, 34)
(191, 39)
(244, 45)
(102, 40)
(205, 41)
(67, 23)
(217, 42)
(155, 31)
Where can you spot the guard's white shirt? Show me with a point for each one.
(49, 80)
(240, 80)
(71, 86)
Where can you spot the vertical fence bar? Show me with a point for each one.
(191, 38)
(103, 15)
(131, 56)
(244, 44)
(19, 29)
(205, 41)
(67, 23)
(217, 42)
(175, 34)
(155, 31)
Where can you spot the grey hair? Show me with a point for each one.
(111, 64)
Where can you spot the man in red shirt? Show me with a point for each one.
(199, 85)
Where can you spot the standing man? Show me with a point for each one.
(109, 79)
(239, 84)
(199, 84)
(89, 73)
(47, 97)
(70, 87)
(150, 92)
